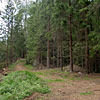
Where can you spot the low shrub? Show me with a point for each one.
(21, 84)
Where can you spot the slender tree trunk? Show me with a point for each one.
(11, 50)
(70, 40)
(53, 53)
(48, 47)
(7, 58)
(61, 66)
(7, 55)
(86, 51)
(11, 41)
(41, 60)
(63, 58)
(58, 55)
(60, 48)
(48, 53)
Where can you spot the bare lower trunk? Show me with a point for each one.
(53, 54)
(48, 54)
(7, 56)
(86, 52)
(70, 40)
(48, 46)
(58, 56)
(11, 42)
(61, 66)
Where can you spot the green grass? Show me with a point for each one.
(53, 80)
(79, 78)
(40, 73)
(12, 66)
(74, 78)
(30, 67)
(21, 84)
(40, 98)
(51, 72)
(21, 61)
(86, 93)
(87, 78)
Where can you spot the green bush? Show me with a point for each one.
(21, 84)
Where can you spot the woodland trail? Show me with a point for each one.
(20, 67)
(67, 89)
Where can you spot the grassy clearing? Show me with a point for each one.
(51, 72)
(21, 84)
(86, 93)
(62, 74)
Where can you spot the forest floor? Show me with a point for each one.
(65, 85)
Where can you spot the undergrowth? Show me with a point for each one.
(21, 84)
(30, 67)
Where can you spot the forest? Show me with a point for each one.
(49, 35)
(52, 33)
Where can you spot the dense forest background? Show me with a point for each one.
(51, 33)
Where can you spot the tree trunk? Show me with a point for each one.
(7, 63)
(48, 46)
(60, 48)
(53, 53)
(86, 51)
(58, 55)
(70, 39)
(11, 41)
(48, 54)
(61, 66)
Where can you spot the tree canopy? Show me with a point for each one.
(51, 33)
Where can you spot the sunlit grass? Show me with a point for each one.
(30, 67)
(86, 93)
(54, 80)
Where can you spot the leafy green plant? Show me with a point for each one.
(21, 84)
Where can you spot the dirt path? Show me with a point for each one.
(20, 67)
(68, 89)
(74, 90)
(83, 90)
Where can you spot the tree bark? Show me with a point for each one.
(48, 46)
(48, 54)
(61, 66)
(11, 41)
(53, 52)
(7, 63)
(70, 39)
(58, 55)
(7, 58)
(86, 51)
